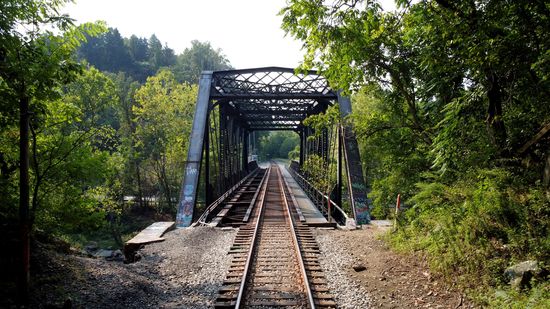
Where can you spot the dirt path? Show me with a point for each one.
(391, 280)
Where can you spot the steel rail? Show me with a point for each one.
(307, 285)
(252, 243)
(202, 219)
(254, 198)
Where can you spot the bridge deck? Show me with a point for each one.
(312, 215)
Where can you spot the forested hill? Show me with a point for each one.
(140, 58)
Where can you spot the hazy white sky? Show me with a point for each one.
(248, 31)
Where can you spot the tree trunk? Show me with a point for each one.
(140, 190)
(166, 184)
(24, 215)
(495, 124)
(546, 174)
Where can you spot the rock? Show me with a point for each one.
(116, 256)
(359, 267)
(103, 253)
(91, 247)
(520, 275)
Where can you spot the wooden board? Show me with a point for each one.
(151, 234)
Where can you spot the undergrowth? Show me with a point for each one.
(473, 229)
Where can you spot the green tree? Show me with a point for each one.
(76, 122)
(108, 52)
(434, 53)
(159, 56)
(139, 48)
(163, 119)
(277, 144)
(132, 175)
(34, 64)
(201, 56)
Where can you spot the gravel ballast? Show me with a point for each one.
(193, 263)
(184, 271)
(363, 272)
(335, 261)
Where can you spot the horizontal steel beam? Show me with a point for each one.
(271, 96)
(259, 70)
(272, 112)
(275, 129)
(289, 117)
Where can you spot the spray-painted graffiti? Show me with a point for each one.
(185, 207)
(188, 190)
(185, 213)
(358, 186)
(362, 215)
(190, 171)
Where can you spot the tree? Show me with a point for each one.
(132, 176)
(34, 63)
(160, 56)
(163, 117)
(199, 57)
(108, 52)
(277, 144)
(431, 54)
(139, 48)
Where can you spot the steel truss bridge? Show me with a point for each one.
(233, 104)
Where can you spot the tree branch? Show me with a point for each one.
(542, 132)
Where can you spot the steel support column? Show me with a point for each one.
(207, 192)
(302, 146)
(245, 152)
(356, 182)
(188, 192)
(338, 197)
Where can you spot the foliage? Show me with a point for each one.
(71, 155)
(277, 144)
(449, 98)
(37, 47)
(393, 156)
(477, 226)
(201, 56)
(316, 169)
(163, 116)
(140, 58)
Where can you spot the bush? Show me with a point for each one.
(478, 226)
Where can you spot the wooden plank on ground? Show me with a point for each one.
(151, 234)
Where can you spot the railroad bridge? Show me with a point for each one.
(230, 106)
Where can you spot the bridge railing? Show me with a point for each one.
(318, 198)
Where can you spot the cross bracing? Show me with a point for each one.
(270, 82)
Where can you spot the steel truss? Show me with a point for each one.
(232, 104)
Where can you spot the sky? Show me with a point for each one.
(248, 31)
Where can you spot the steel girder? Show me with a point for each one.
(356, 181)
(259, 99)
(188, 192)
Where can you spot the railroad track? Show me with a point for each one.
(275, 257)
